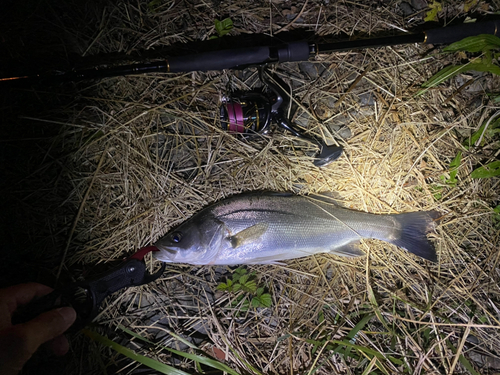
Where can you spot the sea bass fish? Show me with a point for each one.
(268, 227)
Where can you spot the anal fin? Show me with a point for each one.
(349, 250)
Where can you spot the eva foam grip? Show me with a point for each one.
(451, 34)
(239, 58)
(296, 51)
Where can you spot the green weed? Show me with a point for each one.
(248, 292)
(222, 27)
(486, 62)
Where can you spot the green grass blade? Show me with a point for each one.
(353, 332)
(206, 361)
(136, 335)
(151, 363)
(476, 43)
(455, 163)
(373, 301)
(441, 76)
(370, 352)
(486, 171)
(198, 358)
(464, 361)
(484, 66)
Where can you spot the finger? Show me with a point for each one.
(58, 345)
(19, 342)
(21, 294)
(51, 324)
(45, 327)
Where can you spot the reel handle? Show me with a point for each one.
(326, 154)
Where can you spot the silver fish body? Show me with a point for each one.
(268, 227)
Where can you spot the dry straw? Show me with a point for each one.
(144, 153)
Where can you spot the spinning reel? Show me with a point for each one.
(253, 112)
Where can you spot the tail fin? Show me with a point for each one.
(413, 235)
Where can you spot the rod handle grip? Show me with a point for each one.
(239, 58)
(451, 34)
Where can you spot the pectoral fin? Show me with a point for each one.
(248, 235)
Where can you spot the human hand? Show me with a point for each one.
(19, 342)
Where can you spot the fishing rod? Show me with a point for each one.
(240, 58)
(252, 112)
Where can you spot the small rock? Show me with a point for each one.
(334, 127)
(364, 111)
(406, 9)
(329, 273)
(419, 4)
(366, 99)
(345, 132)
(309, 69)
(303, 119)
(331, 101)
(338, 121)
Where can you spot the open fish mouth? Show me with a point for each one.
(166, 254)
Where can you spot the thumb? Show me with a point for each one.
(24, 339)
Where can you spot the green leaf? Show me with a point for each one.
(435, 8)
(266, 300)
(250, 286)
(236, 287)
(486, 171)
(441, 76)
(227, 24)
(245, 305)
(223, 27)
(321, 316)
(153, 5)
(243, 279)
(218, 26)
(255, 302)
(477, 43)
(488, 134)
(151, 363)
(222, 286)
(259, 291)
(495, 97)
(436, 190)
(496, 215)
(240, 270)
(444, 74)
(484, 66)
(455, 163)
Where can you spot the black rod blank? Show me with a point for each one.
(251, 56)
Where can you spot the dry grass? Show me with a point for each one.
(143, 153)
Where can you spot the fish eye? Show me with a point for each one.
(176, 237)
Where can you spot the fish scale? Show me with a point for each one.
(268, 227)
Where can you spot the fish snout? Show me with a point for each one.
(165, 254)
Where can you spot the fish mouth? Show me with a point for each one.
(165, 254)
